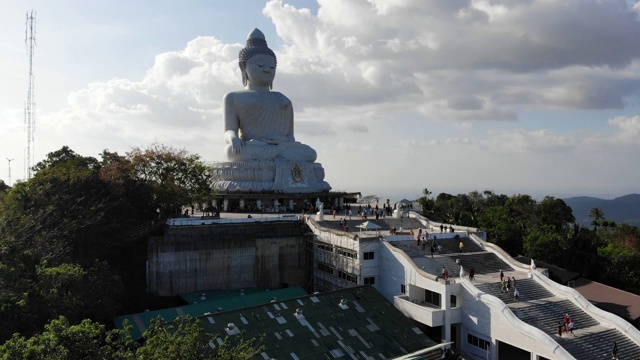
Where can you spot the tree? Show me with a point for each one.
(545, 243)
(183, 338)
(426, 203)
(177, 177)
(4, 187)
(62, 341)
(555, 212)
(597, 214)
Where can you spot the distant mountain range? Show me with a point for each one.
(624, 209)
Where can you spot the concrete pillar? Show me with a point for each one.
(241, 203)
(276, 204)
(445, 304)
(225, 204)
(291, 204)
(214, 203)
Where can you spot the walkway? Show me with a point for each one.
(537, 307)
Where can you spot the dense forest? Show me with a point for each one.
(73, 249)
(546, 230)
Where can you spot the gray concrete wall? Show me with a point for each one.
(264, 255)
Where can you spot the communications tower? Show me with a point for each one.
(30, 103)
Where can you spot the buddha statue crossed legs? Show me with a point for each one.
(261, 150)
(259, 122)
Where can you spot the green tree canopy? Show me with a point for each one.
(177, 177)
(180, 339)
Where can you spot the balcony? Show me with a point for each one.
(419, 310)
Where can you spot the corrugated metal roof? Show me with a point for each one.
(213, 300)
(357, 323)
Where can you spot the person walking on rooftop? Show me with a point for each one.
(571, 326)
(508, 284)
(461, 246)
(560, 325)
(433, 250)
(472, 273)
(516, 294)
(501, 275)
(445, 273)
(614, 351)
(514, 281)
(503, 288)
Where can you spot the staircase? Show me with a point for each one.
(529, 290)
(483, 263)
(542, 309)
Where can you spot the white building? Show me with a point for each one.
(481, 320)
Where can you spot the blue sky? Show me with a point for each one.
(530, 96)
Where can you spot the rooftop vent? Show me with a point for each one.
(299, 311)
(232, 329)
(343, 304)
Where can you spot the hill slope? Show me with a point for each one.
(622, 209)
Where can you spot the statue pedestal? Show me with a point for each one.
(279, 175)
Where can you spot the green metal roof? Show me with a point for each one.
(356, 322)
(225, 299)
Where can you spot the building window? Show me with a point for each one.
(325, 268)
(403, 289)
(431, 297)
(369, 255)
(478, 342)
(346, 276)
(454, 301)
(347, 252)
(369, 280)
(325, 247)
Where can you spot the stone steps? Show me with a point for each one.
(483, 263)
(529, 290)
(597, 342)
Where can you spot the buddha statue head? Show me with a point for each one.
(256, 45)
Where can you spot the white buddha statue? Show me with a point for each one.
(261, 151)
(259, 122)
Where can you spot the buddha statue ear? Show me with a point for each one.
(243, 71)
(245, 78)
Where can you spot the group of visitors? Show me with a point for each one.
(566, 325)
(508, 283)
(344, 225)
(444, 228)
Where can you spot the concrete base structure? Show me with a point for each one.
(271, 202)
(227, 256)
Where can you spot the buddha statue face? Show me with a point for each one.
(260, 70)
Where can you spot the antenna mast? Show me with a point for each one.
(30, 104)
(9, 160)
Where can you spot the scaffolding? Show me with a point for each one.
(332, 265)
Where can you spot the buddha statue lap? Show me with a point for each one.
(261, 149)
